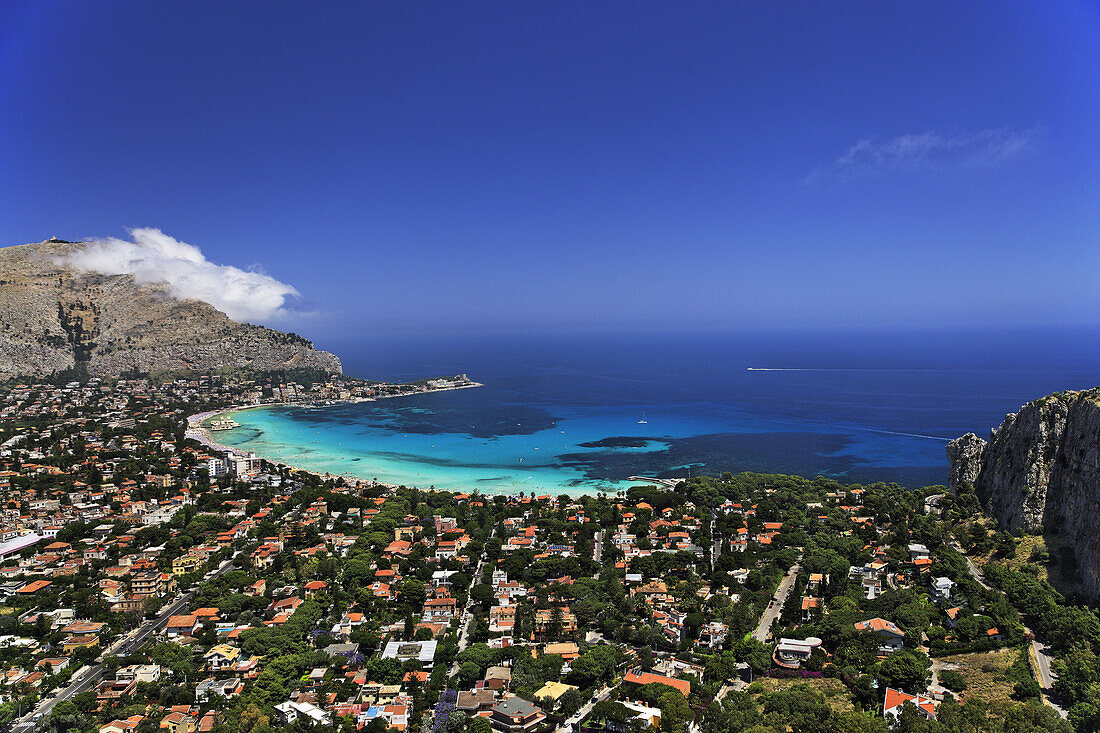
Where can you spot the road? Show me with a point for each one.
(586, 709)
(467, 617)
(86, 677)
(771, 613)
(1040, 658)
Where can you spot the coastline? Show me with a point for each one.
(196, 431)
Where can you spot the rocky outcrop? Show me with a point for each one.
(53, 318)
(964, 458)
(1041, 469)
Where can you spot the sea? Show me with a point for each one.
(575, 413)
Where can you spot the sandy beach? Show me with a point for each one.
(198, 432)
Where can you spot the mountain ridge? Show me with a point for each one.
(55, 318)
(1040, 470)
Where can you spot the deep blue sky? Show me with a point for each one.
(475, 166)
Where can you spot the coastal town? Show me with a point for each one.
(154, 582)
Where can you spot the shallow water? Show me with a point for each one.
(561, 414)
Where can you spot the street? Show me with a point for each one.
(86, 677)
(1040, 661)
(467, 617)
(585, 710)
(771, 613)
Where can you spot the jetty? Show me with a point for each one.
(668, 483)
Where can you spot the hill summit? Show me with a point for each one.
(54, 318)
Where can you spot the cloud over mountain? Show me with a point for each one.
(153, 256)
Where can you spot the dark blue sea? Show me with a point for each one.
(582, 412)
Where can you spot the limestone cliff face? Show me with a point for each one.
(52, 318)
(1041, 468)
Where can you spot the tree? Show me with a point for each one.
(253, 718)
(675, 712)
(86, 701)
(570, 702)
(1026, 689)
(482, 594)
(469, 672)
(906, 670)
(952, 680)
(479, 725)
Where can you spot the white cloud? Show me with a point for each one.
(154, 257)
(927, 151)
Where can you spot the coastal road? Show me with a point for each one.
(771, 613)
(1040, 657)
(88, 676)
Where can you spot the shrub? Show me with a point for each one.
(1026, 689)
(952, 680)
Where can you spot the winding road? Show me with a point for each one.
(1040, 659)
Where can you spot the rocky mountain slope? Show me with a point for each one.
(53, 318)
(1041, 469)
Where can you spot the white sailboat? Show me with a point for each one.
(643, 421)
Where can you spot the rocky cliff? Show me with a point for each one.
(1041, 469)
(53, 318)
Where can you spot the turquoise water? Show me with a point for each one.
(562, 415)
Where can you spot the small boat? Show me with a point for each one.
(643, 421)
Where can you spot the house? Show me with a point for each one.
(182, 625)
(942, 588)
(809, 607)
(918, 552)
(551, 691)
(648, 678)
(33, 587)
(891, 637)
(402, 651)
(211, 687)
(555, 620)
(567, 650)
(53, 665)
(952, 616)
(145, 584)
(289, 711)
(498, 678)
(71, 644)
(122, 726)
(515, 715)
(109, 691)
(791, 653)
(186, 564)
(139, 673)
(222, 656)
(476, 701)
(649, 717)
(177, 722)
(896, 699)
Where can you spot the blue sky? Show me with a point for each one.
(466, 167)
